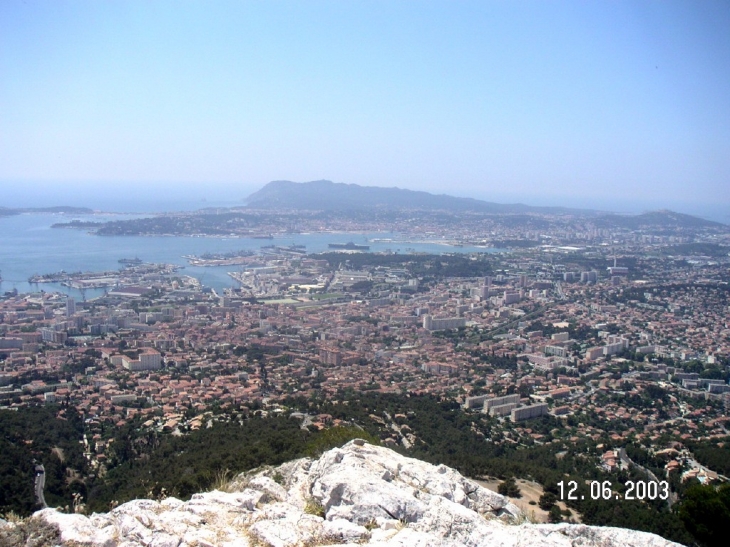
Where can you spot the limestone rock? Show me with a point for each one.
(357, 494)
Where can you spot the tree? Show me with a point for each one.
(705, 512)
(510, 488)
(554, 515)
(547, 501)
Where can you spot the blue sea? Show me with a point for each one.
(30, 246)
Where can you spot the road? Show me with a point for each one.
(40, 484)
(580, 394)
(514, 322)
(625, 460)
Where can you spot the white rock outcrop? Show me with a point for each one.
(359, 493)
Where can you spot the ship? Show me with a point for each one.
(349, 246)
(130, 261)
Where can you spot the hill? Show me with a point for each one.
(655, 219)
(357, 494)
(327, 195)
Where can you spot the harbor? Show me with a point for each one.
(34, 255)
(101, 280)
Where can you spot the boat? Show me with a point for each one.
(350, 246)
(131, 261)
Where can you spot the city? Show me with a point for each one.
(293, 274)
(618, 337)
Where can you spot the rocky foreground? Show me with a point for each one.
(359, 493)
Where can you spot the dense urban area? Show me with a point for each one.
(588, 348)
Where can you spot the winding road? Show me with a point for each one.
(40, 484)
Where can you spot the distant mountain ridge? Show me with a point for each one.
(325, 195)
(662, 217)
(334, 196)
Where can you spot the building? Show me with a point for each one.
(11, 343)
(147, 360)
(439, 368)
(616, 344)
(476, 401)
(527, 412)
(122, 398)
(150, 359)
(594, 353)
(431, 323)
(53, 336)
(481, 292)
(687, 376)
(561, 410)
(645, 349)
(540, 362)
(499, 401)
(589, 277)
(330, 356)
(404, 319)
(503, 410)
(558, 351)
(560, 393)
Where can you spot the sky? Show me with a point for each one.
(604, 104)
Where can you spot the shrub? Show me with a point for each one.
(510, 488)
(29, 532)
(314, 507)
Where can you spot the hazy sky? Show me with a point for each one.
(579, 103)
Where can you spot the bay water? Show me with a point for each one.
(29, 246)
